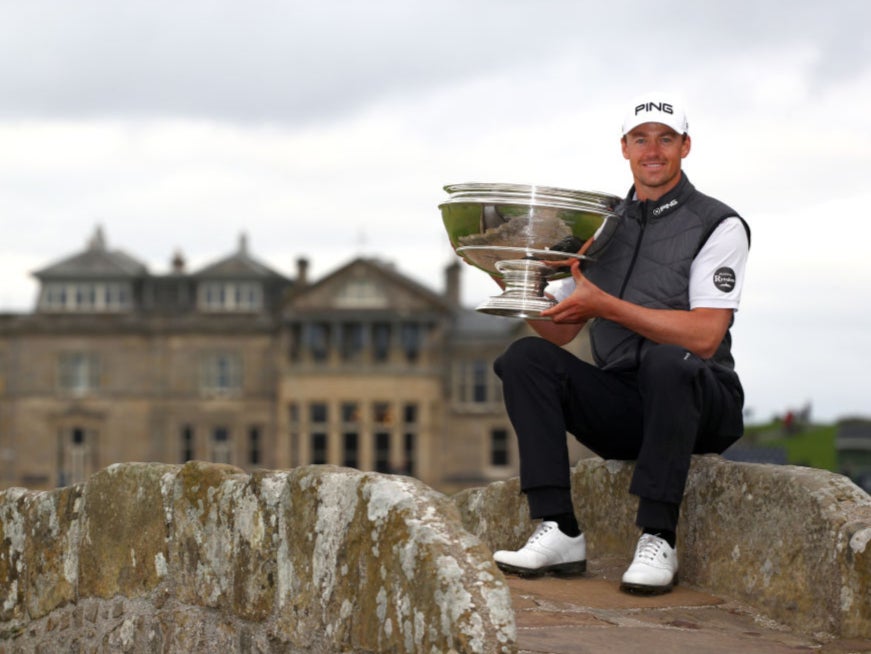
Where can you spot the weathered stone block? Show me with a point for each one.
(360, 550)
(13, 537)
(223, 537)
(201, 540)
(787, 539)
(52, 549)
(497, 514)
(123, 545)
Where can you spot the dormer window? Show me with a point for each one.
(87, 297)
(242, 297)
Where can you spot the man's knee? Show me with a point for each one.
(520, 354)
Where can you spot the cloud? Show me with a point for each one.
(271, 60)
(328, 129)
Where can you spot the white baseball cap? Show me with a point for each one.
(656, 108)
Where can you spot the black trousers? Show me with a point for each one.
(676, 404)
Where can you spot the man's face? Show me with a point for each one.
(654, 152)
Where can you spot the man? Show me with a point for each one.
(660, 298)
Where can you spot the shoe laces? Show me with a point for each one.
(649, 547)
(540, 531)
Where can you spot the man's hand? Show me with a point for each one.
(581, 305)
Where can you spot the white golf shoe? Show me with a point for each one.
(654, 568)
(547, 550)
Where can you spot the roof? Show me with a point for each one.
(469, 322)
(384, 270)
(239, 265)
(96, 261)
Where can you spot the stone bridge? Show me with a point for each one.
(207, 558)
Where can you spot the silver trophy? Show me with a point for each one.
(526, 236)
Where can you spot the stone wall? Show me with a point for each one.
(205, 558)
(794, 543)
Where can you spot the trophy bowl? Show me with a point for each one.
(525, 235)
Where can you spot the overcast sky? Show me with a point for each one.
(327, 130)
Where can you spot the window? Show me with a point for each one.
(409, 414)
(295, 353)
(318, 337)
(187, 443)
(350, 434)
(410, 447)
(116, 296)
(318, 415)
(54, 297)
(350, 413)
(77, 454)
(293, 426)
(479, 382)
(409, 438)
(410, 337)
(350, 447)
(382, 451)
(221, 445)
(221, 373)
(254, 445)
(383, 418)
(86, 296)
(383, 413)
(318, 411)
(247, 297)
(351, 341)
(230, 296)
(78, 372)
(361, 293)
(381, 342)
(499, 447)
(319, 448)
(475, 383)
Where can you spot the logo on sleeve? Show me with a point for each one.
(724, 279)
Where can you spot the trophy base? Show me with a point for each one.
(515, 306)
(524, 297)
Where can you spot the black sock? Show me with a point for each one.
(567, 524)
(668, 536)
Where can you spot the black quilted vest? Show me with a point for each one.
(647, 262)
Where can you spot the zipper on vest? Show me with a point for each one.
(637, 248)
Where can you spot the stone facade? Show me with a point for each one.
(236, 364)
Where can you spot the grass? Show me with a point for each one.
(813, 445)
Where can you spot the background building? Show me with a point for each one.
(853, 445)
(236, 363)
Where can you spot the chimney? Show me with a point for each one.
(98, 240)
(452, 284)
(178, 263)
(301, 272)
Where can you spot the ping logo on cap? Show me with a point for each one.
(664, 107)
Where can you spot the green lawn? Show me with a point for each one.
(814, 445)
